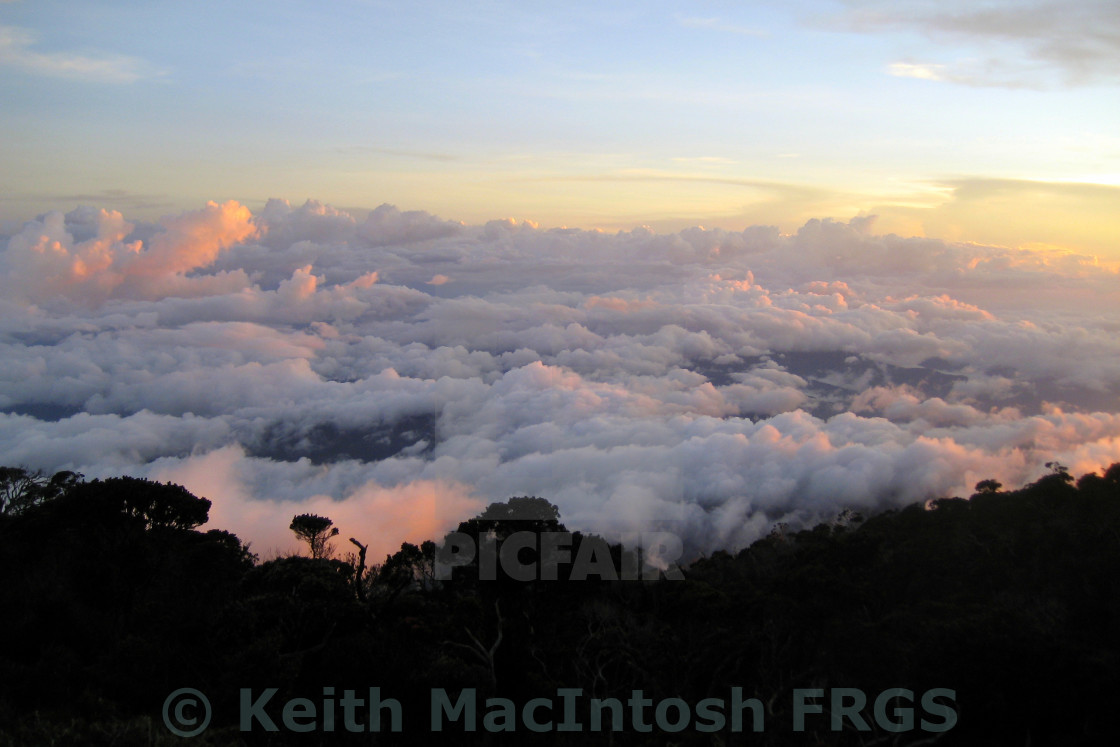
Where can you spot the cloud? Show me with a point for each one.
(706, 381)
(987, 73)
(90, 255)
(1078, 42)
(920, 71)
(194, 239)
(17, 50)
(388, 225)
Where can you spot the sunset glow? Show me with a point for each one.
(946, 121)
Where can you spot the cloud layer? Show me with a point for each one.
(400, 372)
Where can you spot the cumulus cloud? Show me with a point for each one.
(87, 255)
(388, 225)
(400, 372)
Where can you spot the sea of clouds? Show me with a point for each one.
(398, 373)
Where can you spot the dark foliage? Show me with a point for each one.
(112, 599)
(316, 531)
(20, 489)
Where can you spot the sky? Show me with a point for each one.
(699, 267)
(989, 121)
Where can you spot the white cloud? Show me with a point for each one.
(917, 70)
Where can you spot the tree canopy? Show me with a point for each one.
(316, 531)
(113, 598)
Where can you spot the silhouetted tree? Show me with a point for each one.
(411, 567)
(21, 489)
(360, 569)
(521, 509)
(151, 504)
(316, 531)
(1059, 471)
(988, 486)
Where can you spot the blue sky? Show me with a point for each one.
(992, 122)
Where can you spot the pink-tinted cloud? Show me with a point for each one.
(45, 261)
